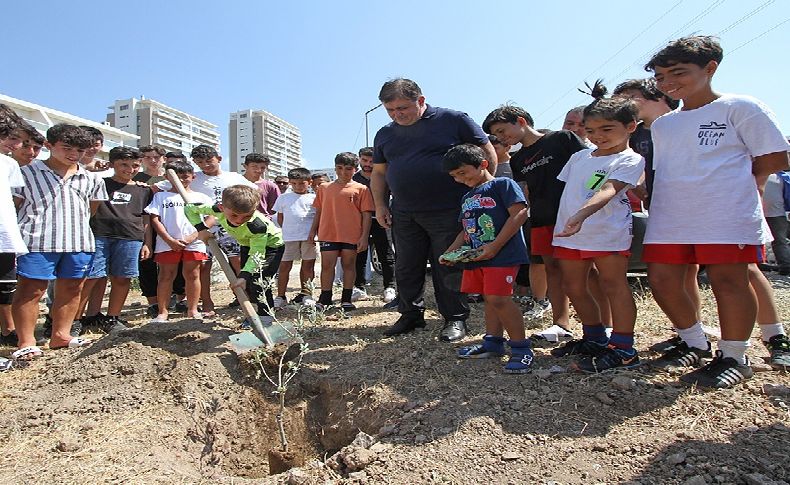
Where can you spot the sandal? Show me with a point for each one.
(6, 364)
(27, 354)
(211, 314)
(74, 343)
(158, 320)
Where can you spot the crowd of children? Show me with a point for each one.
(698, 168)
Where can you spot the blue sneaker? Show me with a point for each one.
(610, 358)
(491, 347)
(521, 357)
(245, 325)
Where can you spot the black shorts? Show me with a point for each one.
(7, 268)
(335, 246)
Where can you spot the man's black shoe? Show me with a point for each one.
(393, 304)
(453, 330)
(405, 324)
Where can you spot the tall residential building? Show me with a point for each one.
(258, 131)
(161, 125)
(42, 118)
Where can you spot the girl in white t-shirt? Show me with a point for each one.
(595, 221)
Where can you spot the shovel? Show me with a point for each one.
(265, 329)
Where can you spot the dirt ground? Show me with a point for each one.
(170, 403)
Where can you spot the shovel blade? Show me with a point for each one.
(276, 332)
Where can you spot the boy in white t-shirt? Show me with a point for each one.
(11, 242)
(177, 242)
(295, 214)
(595, 217)
(706, 208)
(211, 181)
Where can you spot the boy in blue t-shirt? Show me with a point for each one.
(492, 214)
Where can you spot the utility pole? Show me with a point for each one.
(367, 140)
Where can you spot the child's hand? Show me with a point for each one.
(240, 283)
(190, 238)
(573, 226)
(175, 244)
(487, 251)
(362, 245)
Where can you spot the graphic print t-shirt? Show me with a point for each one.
(609, 229)
(121, 216)
(484, 210)
(538, 165)
(704, 189)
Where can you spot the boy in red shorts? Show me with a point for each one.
(705, 206)
(492, 214)
(177, 242)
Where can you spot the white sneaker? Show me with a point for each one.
(389, 294)
(358, 294)
(553, 335)
(539, 310)
(308, 301)
(279, 302)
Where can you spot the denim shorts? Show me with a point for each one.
(51, 266)
(116, 257)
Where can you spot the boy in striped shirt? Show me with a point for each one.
(54, 208)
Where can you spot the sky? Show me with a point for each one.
(320, 64)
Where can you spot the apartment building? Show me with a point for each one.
(259, 131)
(158, 124)
(42, 118)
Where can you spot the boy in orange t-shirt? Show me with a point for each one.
(344, 209)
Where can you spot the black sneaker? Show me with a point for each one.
(609, 359)
(93, 321)
(578, 347)
(779, 345)
(682, 356)
(76, 328)
(181, 307)
(721, 373)
(152, 310)
(392, 305)
(666, 345)
(113, 324)
(234, 304)
(453, 330)
(347, 306)
(405, 324)
(10, 340)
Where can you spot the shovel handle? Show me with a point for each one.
(244, 302)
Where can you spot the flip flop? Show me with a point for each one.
(158, 320)
(6, 364)
(26, 354)
(74, 343)
(211, 314)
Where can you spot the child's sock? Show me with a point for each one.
(694, 336)
(494, 343)
(622, 341)
(594, 333)
(346, 295)
(768, 330)
(326, 297)
(735, 349)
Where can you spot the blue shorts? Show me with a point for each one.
(116, 257)
(51, 266)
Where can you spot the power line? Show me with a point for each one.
(637, 36)
(637, 63)
(745, 17)
(764, 33)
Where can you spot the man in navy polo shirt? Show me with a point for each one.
(425, 199)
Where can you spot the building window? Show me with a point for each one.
(124, 107)
(243, 115)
